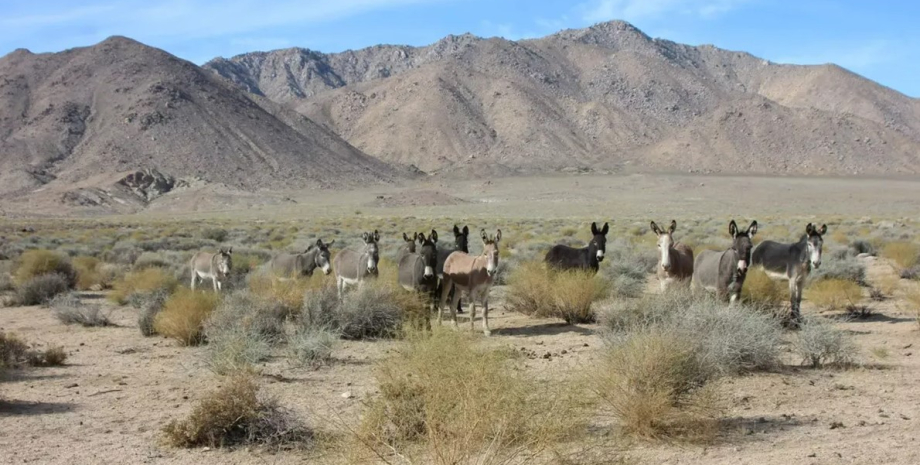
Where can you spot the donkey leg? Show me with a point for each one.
(472, 315)
(485, 317)
(445, 292)
(214, 282)
(194, 274)
(340, 284)
(453, 306)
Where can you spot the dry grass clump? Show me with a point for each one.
(41, 289)
(242, 331)
(833, 294)
(655, 386)
(536, 291)
(15, 353)
(150, 305)
(311, 346)
(443, 400)
(375, 310)
(820, 344)
(134, 286)
(35, 263)
(89, 275)
(184, 314)
(235, 414)
(288, 292)
(904, 255)
(759, 289)
(69, 309)
(847, 267)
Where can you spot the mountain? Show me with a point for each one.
(604, 97)
(121, 115)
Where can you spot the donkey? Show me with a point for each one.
(416, 271)
(355, 267)
(461, 243)
(407, 247)
(473, 275)
(792, 262)
(724, 272)
(288, 265)
(563, 257)
(215, 266)
(675, 261)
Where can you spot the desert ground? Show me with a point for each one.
(117, 389)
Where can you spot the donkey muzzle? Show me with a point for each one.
(816, 264)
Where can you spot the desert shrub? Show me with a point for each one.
(242, 330)
(458, 403)
(152, 260)
(122, 253)
(234, 414)
(819, 343)
(910, 273)
(35, 263)
(184, 314)
(289, 293)
(834, 294)
(374, 310)
(319, 306)
(536, 291)
(41, 289)
(903, 254)
(69, 309)
(311, 346)
(150, 305)
(861, 246)
(134, 285)
(729, 339)
(88, 274)
(6, 279)
(14, 353)
(214, 234)
(626, 278)
(847, 268)
(655, 385)
(760, 289)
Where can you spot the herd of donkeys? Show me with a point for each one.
(444, 273)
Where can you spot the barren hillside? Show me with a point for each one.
(603, 97)
(85, 117)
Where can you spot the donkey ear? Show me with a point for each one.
(376, 236)
(673, 227)
(655, 228)
(823, 229)
(365, 236)
(605, 229)
(498, 236)
(732, 228)
(229, 250)
(414, 236)
(420, 237)
(329, 244)
(809, 229)
(752, 229)
(456, 230)
(405, 237)
(593, 229)
(434, 236)
(483, 235)
(466, 230)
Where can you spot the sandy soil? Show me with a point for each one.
(118, 389)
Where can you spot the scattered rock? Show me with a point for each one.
(69, 386)
(347, 395)
(836, 424)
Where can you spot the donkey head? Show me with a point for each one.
(665, 244)
(321, 258)
(599, 241)
(490, 250)
(410, 243)
(370, 249)
(224, 262)
(741, 243)
(815, 243)
(429, 251)
(461, 239)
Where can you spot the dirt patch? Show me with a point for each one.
(422, 198)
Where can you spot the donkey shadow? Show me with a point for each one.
(25, 408)
(544, 329)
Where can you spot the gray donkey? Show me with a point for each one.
(287, 265)
(416, 271)
(724, 272)
(353, 267)
(214, 266)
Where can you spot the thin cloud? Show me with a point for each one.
(605, 10)
(856, 57)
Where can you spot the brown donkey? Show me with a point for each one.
(474, 276)
(675, 261)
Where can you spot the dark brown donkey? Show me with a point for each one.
(563, 257)
(675, 261)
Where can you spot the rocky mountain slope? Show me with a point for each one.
(604, 97)
(80, 121)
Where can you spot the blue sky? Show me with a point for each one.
(878, 39)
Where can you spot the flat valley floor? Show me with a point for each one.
(117, 390)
